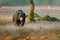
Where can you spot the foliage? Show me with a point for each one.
(36, 17)
(13, 2)
(48, 18)
(25, 2)
(45, 18)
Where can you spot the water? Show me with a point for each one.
(8, 14)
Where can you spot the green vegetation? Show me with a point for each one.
(32, 7)
(48, 18)
(36, 17)
(45, 18)
(25, 2)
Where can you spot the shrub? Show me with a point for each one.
(48, 18)
(45, 18)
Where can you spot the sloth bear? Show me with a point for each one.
(19, 18)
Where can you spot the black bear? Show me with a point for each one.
(19, 18)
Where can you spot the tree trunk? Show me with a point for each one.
(31, 11)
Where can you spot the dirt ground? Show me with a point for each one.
(29, 34)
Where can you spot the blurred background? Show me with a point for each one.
(47, 11)
(26, 3)
(46, 14)
(42, 8)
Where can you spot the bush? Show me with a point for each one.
(45, 18)
(36, 17)
(48, 18)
